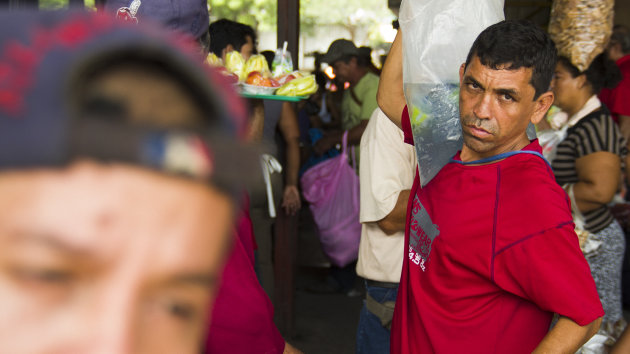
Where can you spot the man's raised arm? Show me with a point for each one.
(391, 96)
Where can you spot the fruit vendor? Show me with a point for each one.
(228, 37)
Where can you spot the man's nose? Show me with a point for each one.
(116, 323)
(483, 107)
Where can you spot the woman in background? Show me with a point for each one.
(588, 165)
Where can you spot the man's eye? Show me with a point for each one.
(45, 276)
(507, 97)
(473, 85)
(181, 310)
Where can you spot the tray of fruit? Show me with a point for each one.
(254, 79)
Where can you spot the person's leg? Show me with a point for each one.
(345, 277)
(606, 269)
(263, 230)
(372, 337)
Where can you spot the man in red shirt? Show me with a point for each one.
(492, 253)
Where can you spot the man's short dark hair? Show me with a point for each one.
(515, 44)
(224, 32)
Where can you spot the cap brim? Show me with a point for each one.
(329, 58)
(211, 157)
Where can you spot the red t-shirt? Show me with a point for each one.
(242, 316)
(618, 99)
(491, 255)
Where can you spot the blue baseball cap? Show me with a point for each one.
(187, 16)
(44, 58)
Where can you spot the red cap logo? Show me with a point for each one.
(128, 14)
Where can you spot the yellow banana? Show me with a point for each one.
(299, 87)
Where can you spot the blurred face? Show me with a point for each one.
(495, 108)
(566, 88)
(248, 48)
(614, 51)
(107, 259)
(343, 70)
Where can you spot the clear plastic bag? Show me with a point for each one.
(437, 36)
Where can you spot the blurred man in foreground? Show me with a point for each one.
(116, 187)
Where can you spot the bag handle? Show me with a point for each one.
(344, 142)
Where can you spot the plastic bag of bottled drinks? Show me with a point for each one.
(581, 29)
(437, 36)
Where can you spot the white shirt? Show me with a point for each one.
(387, 166)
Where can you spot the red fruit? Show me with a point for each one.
(274, 83)
(285, 78)
(255, 78)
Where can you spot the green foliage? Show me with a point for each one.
(52, 4)
(350, 14)
(260, 14)
(59, 4)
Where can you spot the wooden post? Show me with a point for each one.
(285, 251)
(285, 248)
(289, 27)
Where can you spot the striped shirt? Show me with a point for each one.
(594, 133)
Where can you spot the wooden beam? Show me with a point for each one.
(528, 4)
(535, 12)
(289, 27)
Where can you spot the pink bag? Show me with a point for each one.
(332, 189)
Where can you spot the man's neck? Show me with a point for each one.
(580, 101)
(468, 155)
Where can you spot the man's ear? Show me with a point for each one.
(542, 106)
(228, 48)
(581, 81)
(462, 70)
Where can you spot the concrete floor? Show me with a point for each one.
(325, 323)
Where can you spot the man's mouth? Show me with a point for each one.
(478, 132)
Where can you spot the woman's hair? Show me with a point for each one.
(602, 73)
(621, 35)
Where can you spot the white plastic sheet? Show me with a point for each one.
(437, 35)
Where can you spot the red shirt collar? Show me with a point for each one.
(532, 146)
